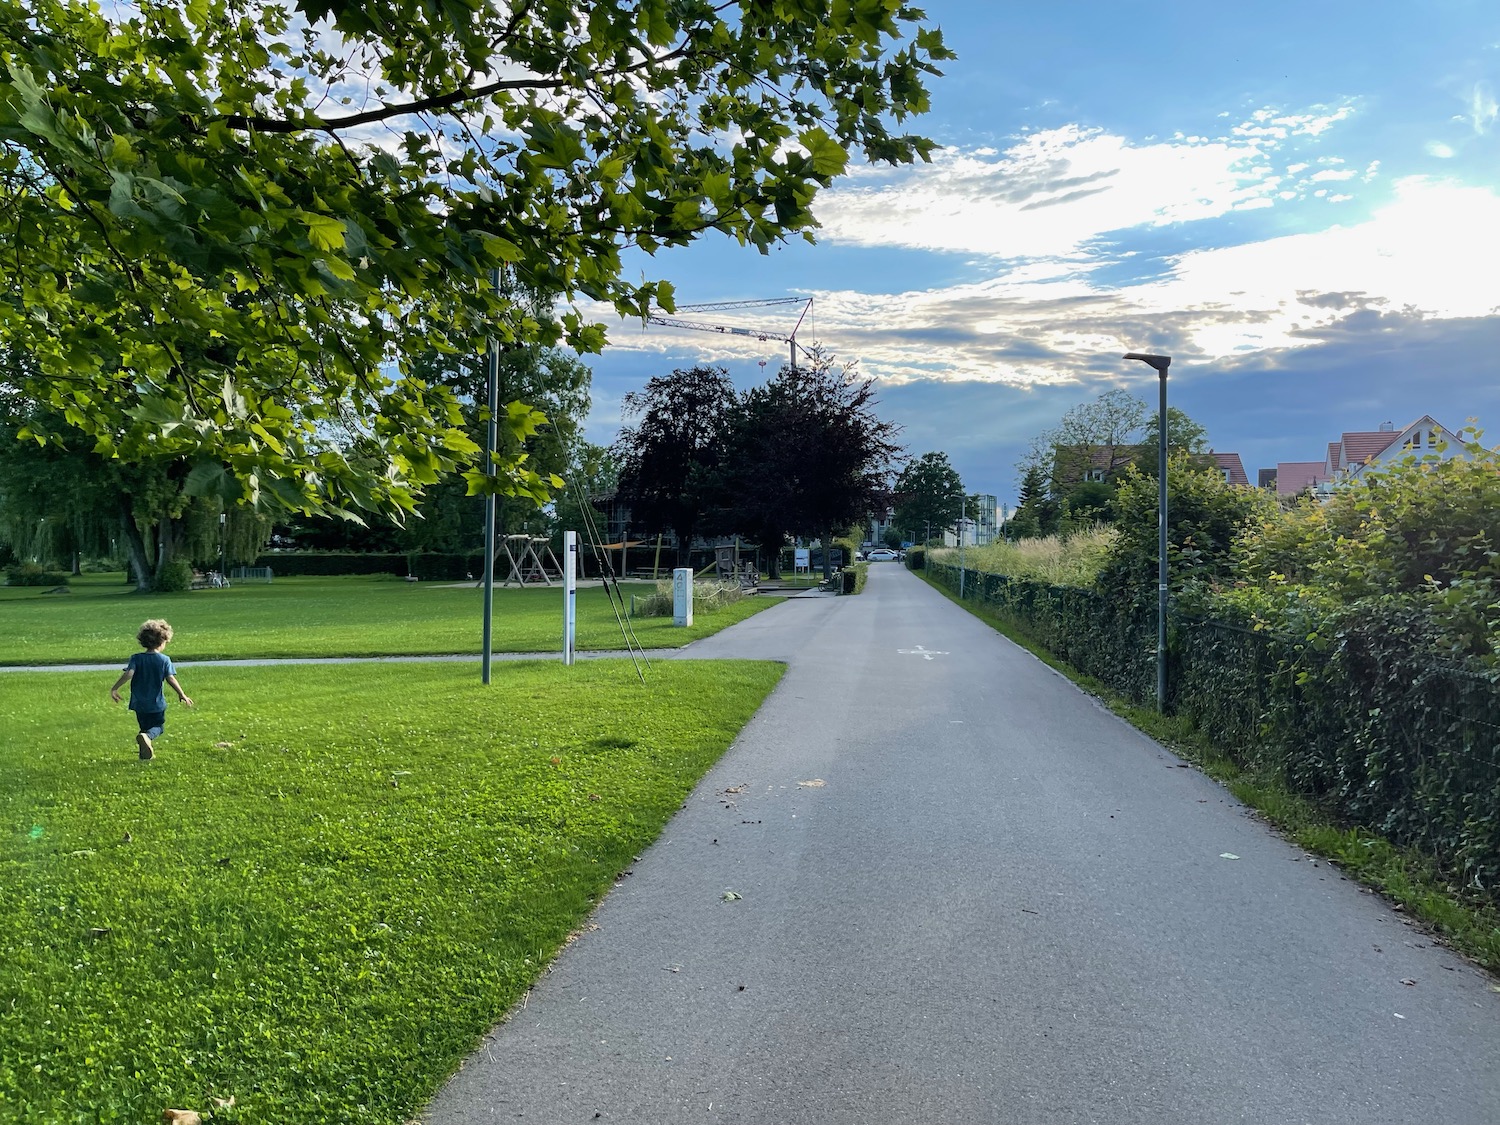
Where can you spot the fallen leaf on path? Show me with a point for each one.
(1228, 855)
(815, 783)
(740, 788)
(1398, 1015)
(730, 896)
(1407, 981)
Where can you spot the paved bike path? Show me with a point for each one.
(965, 892)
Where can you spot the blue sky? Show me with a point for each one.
(1298, 202)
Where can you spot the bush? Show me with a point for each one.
(916, 558)
(853, 578)
(426, 565)
(1063, 560)
(174, 578)
(32, 574)
(707, 597)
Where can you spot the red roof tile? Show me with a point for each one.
(1293, 477)
(1361, 446)
(1232, 462)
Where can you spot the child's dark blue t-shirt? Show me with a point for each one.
(151, 671)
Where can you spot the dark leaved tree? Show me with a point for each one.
(670, 452)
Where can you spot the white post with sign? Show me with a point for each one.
(570, 594)
(682, 596)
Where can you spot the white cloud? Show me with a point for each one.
(1054, 193)
(1050, 322)
(1440, 150)
(1483, 109)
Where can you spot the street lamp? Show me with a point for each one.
(1160, 363)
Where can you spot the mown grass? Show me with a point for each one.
(354, 616)
(1406, 877)
(1072, 560)
(327, 885)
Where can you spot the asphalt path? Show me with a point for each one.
(933, 882)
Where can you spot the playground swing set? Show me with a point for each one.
(531, 561)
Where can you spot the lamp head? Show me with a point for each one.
(1160, 362)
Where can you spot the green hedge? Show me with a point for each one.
(30, 574)
(916, 558)
(853, 578)
(425, 565)
(1365, 716)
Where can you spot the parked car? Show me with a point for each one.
(883, 554)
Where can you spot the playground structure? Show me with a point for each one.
(531, 561)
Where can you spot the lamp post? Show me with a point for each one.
(1160, 363)
(491, 443)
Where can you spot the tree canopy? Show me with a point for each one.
(231, 229)
(929, 494)
(669, 456)
(807, 455)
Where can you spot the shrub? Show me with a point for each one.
(175, 577)
(916, 558)
(426, 565)
(1063, 560)
(33, 574)
(707, 597)
(1205, 516)
(853, 578)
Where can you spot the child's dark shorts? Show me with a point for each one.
(149, 719)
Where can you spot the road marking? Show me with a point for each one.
(920, 651)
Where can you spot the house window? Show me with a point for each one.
(1095, 474)
(1226, 474)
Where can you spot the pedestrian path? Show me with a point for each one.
(933, 882)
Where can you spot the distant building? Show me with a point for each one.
(1356, 451)
(1231, 466)
(985, 512)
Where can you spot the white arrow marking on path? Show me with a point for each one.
(920, 651)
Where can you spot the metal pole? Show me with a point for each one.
(962, 510)
(570, 595)
(491, 440)
(1161, 546)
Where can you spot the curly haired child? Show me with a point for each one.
(146, 673)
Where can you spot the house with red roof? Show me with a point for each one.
(1356, 451)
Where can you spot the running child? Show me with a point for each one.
(146, 673)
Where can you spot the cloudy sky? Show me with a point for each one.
(1299, 202)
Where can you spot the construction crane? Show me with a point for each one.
(788, 338)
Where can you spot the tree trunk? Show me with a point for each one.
(168, 543)
(135, 547)
(828, 556)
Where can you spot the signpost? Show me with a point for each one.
(570, 594)
(682, 596)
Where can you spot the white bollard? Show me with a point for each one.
(570, 594)
(682, 596)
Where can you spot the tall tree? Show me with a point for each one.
(929, 494)
(1036, 512)
(216, 256)
(1100, 435)
(670, 455)
(807, 454)
(1184, 436)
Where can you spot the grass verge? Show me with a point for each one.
(353, 616)
(329, 883)
(1406, 877)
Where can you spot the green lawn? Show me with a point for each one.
(356, 616)
(331, 880)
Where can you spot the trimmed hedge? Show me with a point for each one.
(916, 558)
(430, 566)
(1365, 716)
(853, 578)
(30, 574)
